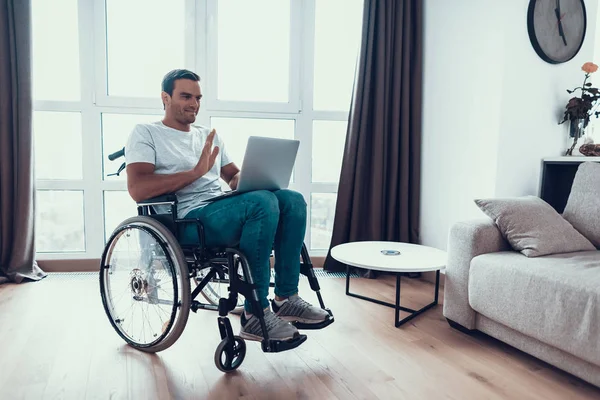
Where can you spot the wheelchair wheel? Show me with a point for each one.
(229, 357)
(144, 284)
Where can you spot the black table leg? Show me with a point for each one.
(397, 307)
(398, 281)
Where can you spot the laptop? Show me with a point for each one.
(268, 165)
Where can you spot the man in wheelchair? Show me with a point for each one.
(175, 156)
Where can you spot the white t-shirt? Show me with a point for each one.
(171, 151)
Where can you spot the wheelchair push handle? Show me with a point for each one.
(116, 154)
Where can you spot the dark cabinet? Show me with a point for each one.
(557, 178)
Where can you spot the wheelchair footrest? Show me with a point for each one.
(320, 325)
(277, 346)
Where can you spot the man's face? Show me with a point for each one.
(184, 104)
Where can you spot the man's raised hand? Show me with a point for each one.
(208, 156)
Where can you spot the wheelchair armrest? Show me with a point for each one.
(164, 199)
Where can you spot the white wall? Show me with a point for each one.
(491, 108)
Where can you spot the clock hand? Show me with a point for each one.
(561, 32)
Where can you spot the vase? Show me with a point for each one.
(576, 136)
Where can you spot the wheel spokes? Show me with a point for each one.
(140, 270)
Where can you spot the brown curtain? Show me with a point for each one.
(17, 249)
(379, 190)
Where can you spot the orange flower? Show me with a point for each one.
(589, 67)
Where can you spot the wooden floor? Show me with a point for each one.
(56, 343)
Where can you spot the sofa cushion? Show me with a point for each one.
(533, 227)
(554, 299)
(583, 206)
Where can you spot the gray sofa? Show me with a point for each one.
(547, 306)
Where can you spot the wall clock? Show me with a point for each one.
(556, 28)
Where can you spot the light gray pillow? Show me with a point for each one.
(583, 206)
(533, 227)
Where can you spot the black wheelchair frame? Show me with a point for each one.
(221, 262)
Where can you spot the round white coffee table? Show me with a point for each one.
(396, 258)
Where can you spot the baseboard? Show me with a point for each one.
(318, 262)
(81, 265)
(93, 265)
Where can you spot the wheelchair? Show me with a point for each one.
(145, 275)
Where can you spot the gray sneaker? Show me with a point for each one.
(296, 309)
(278, 328)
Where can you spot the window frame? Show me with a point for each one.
(200, 24)
(294, 104)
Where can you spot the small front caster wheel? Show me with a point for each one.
(230, 354)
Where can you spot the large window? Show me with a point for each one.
(276, 68)
(336, 42)
(56, 61)
(143, 40)
(253, 50)
(59, 221)
(58, 149)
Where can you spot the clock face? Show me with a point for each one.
(556, 28)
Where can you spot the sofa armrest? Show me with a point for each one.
(467, 240)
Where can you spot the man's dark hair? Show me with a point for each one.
(168, 82)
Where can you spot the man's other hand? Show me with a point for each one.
(233, 183)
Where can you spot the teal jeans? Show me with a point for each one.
(257, 223)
